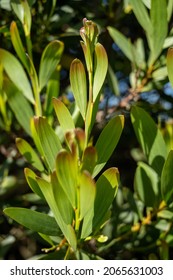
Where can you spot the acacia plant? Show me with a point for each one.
(65, 175)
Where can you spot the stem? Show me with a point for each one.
(29, 46)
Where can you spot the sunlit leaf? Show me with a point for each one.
(33, 220)
(159, 28)
(78, 84)
(16, 74)
(106, 189)
(167, 178)
(107, 141)
(67, 174)
(32, 182)
(19, 105)
(147, 185)
(89, 159)
(149, 137)
(28, 152)
(87, 194)
(22, 10)
(100, 69)
(49, 141)
(62, 200)
(50, 59)
(63, 115)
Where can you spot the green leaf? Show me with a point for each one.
(106, 189)
(28, 152)
(62, 200)
(22, 10)
(167, 178)
(87, 194)
(100, 69)
(17, 44)
(159, 28)
(89, 159)
(16, 73)
(143, 18)
(67, 230)
(19, 105)
(50, 59)
(124, 44)
(149, 137)
(49, 141)
(33, 220)
(32, 182)
(147, 185)
(67, 174)
(107, 141)
(78, 84)
(170, 65)
(113, 81)
(64, 117)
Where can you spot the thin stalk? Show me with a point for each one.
(29, 46)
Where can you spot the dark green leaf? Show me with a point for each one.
(167, 178)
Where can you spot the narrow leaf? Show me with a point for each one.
(63, 115)
(149, 137)
(89, 159)
(49, 141)
(33, 220)
(107, 141)
(28, 152)
(146, 184)
(167, 178)
(32, 182)
(78, 84)
(170, 65)
(50, 59)
(67, 174)
(106, 189)
(100, 69)
(16, 74)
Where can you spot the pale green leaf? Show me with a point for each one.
(64, 117)
(28, 152)
(89, 159)
(170, 65)
(107, 141)
(32, 182)
(16, 73)
(33, 220)
(79, 86)
(100, 69)
(49, 141)
(50, 59)
(67, 174)
(106, 189)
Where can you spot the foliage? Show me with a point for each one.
(53, 90)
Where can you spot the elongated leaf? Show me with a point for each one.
(28, 152)
(67, 174)
(50, 59)
(63, 115)
(167, 178)
(147, 185)
(149, 137)
(19, 105)
(49, 141)
(123, 43)
(67, 230)
(22, 10)
(89, 159)
(16, 74)
(100, 69)
(106, 189)
(107, 141)
(143, 18)
(62, 200)
(160, 28)
(170, 65)
(32, 182)
(33, 220)
(78, 84)
(17, 44)
(87, 194)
